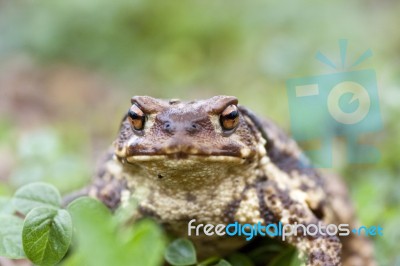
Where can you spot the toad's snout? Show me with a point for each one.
(181, 127)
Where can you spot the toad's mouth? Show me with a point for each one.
(187, 152)
(188, 157)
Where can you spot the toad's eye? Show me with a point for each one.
(229, 118)
(136, 117)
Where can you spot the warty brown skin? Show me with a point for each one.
(184, 165)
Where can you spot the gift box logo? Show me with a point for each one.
(344, 104)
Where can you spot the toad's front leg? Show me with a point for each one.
(281, 206)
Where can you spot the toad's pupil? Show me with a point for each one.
(232, 115)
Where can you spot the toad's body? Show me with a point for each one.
(216, 162)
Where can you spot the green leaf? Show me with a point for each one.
(5, 206)
(123, 215)
(46, 235)
(100, 243)
(10, 237)
(75, 259)
(146, 244)
(181, 252)
(239, 259)
(88, 206)
(36, 195)
(209, 261)
(286, 257)
(96, 235)
(223, 263)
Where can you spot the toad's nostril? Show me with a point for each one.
(167, 126)
(193, 128)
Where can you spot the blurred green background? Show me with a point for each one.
(69, 68)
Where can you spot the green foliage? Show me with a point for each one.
(10, 236)
(103, 241)
(287, 257)
(91, 217)
(46, 235)
(147, 238)
(34, 196)
(181, 252)
(6, 206)
(238, 259)
(223, 263)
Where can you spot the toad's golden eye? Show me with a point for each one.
(136, 117)
(229, 118)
